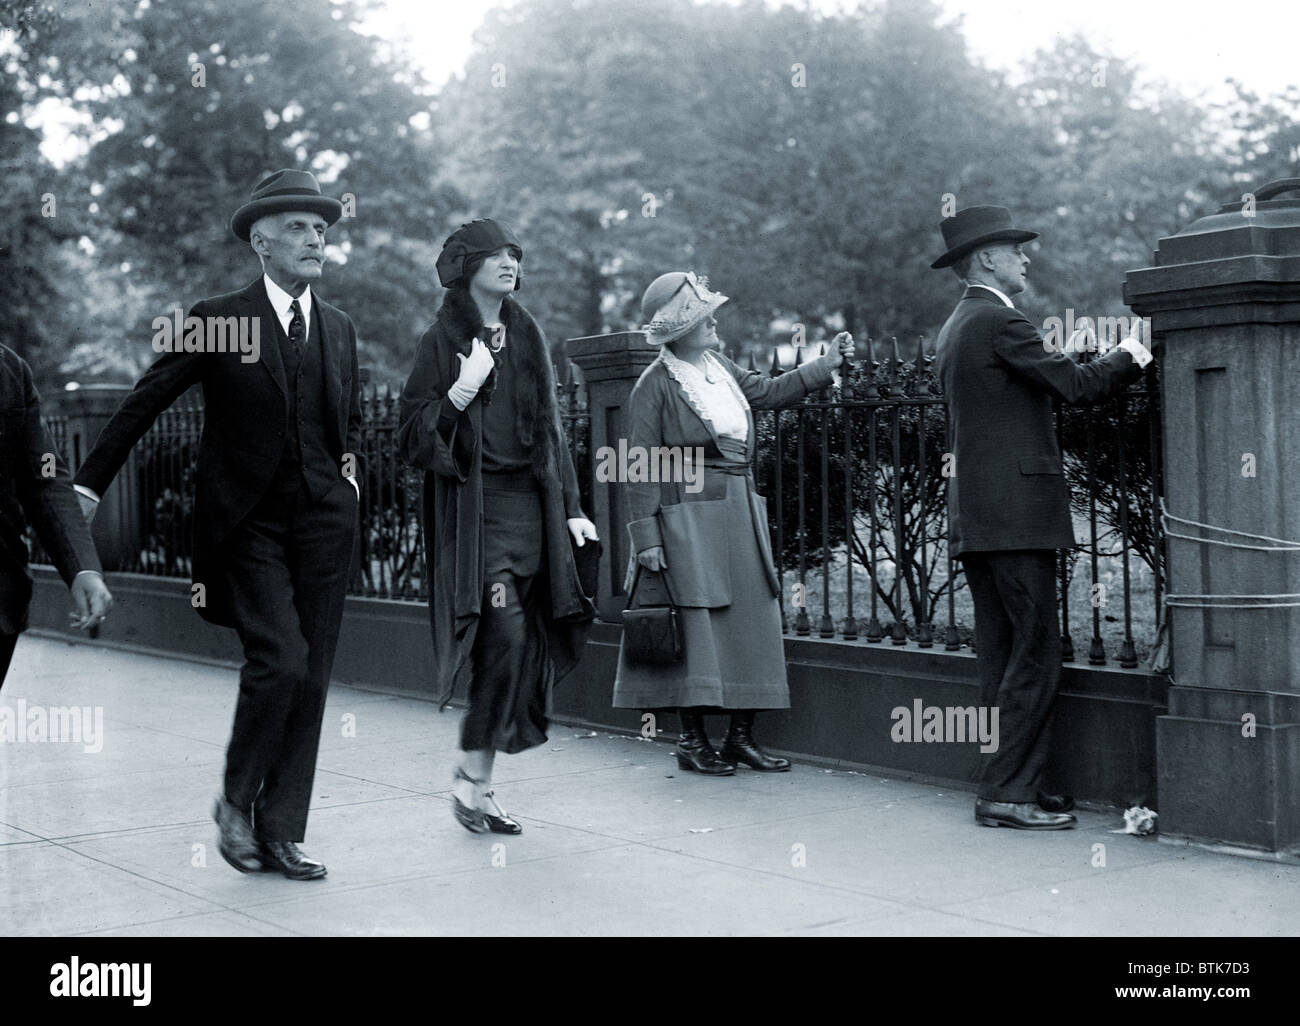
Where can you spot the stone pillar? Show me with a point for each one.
(611, 365)
(1223, 296)
(118, 525)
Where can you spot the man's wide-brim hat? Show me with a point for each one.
(478, 238)
(675, 303)
(281, 192)
(974, 227)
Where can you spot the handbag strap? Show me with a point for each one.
(663, 575)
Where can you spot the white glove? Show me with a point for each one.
(581, 528)
(475, 368)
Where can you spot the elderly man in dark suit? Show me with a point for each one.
(275, 509)
(1008, 504)
(35, 488)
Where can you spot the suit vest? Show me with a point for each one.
(306, 452)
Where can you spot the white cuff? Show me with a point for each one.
(83, 490)
(461, 395)
(97, 573)
(1140, 353)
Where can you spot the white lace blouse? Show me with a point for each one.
(713, 393)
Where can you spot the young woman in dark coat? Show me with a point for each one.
(501, 511)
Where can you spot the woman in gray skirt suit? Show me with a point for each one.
(706, 529)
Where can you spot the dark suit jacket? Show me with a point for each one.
(244, 423)
(1009, 490)
(29, 494)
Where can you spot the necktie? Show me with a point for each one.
(297, 328)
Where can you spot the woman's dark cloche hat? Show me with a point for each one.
(974, 227)
(477, 238)
(281, 192)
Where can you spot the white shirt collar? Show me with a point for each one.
(281, 302)
(1000, 295)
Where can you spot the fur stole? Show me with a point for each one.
(537, 411)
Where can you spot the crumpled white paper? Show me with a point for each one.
(1138, 820)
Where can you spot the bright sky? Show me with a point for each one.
(1192, 43)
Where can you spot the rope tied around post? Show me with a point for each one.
(1283, 600)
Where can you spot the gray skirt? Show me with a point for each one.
(735, 655)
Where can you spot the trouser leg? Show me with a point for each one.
(1015, 596)
(287, 573)
(320, 562)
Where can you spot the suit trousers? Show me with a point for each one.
(287, 567)
(1018, 651)
(7, 645)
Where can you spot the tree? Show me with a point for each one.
(190, 102)
(33, 292)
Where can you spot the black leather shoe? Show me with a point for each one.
(284, 857)
(1055, 802)
(499, 823)
(1021, 815)
(238, 846)
(694, 751)
(739, 746)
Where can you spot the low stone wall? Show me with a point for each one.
(842, 694)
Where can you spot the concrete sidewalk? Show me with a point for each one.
(616, 840)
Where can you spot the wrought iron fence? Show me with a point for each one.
(856, 479)
(161, 478)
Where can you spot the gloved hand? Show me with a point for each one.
(475, 368)
(653, 559)
(581, 528)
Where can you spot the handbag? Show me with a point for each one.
(653, 636)
(586, 560)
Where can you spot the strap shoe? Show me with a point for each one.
(499, 822)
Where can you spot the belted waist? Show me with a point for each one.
(726, 467)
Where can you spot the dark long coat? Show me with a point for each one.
(447, 445)
(1009, 489)
(245, 418)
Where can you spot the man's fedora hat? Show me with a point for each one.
(283, 191)
(974, 227)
